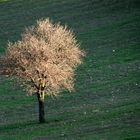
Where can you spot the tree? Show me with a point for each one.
(44, 60)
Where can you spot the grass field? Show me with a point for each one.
(106, 101)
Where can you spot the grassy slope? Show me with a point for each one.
(106, 102)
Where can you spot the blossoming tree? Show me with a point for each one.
(44, 60)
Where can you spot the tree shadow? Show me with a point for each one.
(33, 123)
(18, 125)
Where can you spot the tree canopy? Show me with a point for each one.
(48, 54)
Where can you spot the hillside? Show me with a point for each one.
(106, 101)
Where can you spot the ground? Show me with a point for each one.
(105, 104)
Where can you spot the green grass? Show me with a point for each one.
(105, 104)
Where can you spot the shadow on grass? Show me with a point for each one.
(34, 123)
(18, 125)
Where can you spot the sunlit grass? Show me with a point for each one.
(4, 0)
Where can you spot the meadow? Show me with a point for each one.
(106, 102)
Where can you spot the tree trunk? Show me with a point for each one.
(40, 96)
